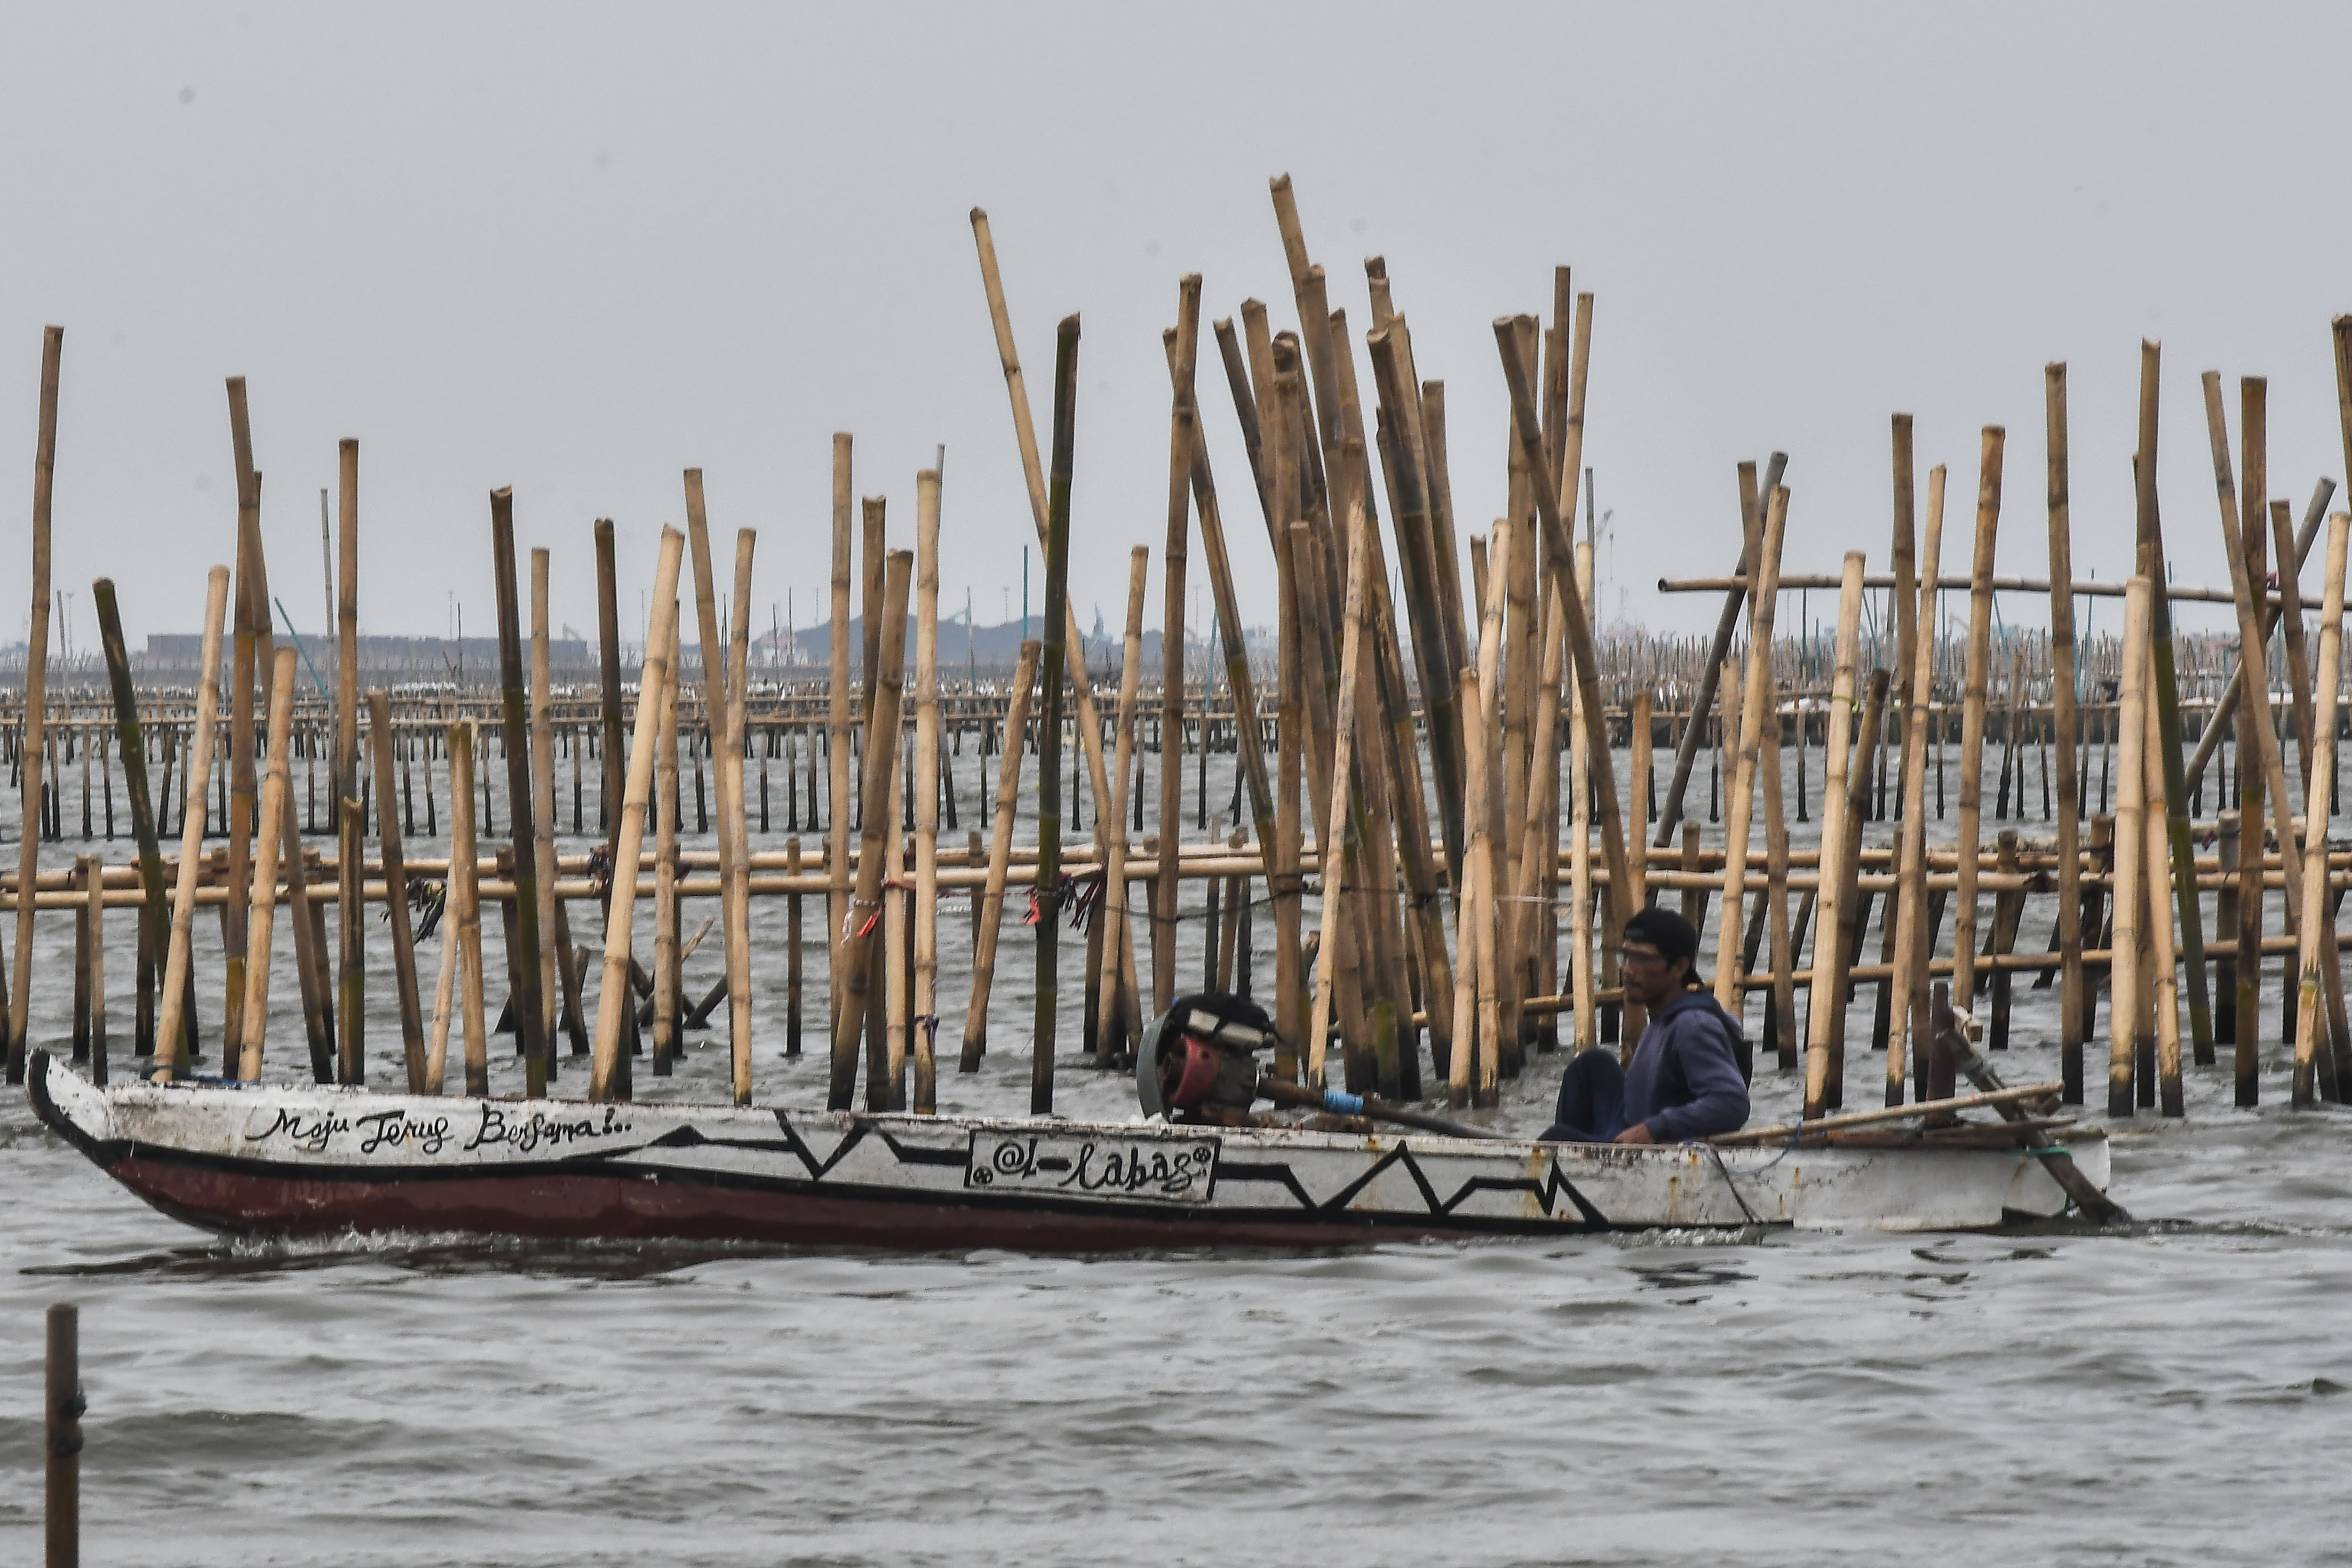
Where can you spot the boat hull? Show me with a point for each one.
(302, 1161)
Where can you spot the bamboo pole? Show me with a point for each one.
(94, 937)
(171, 1028)
(2317, 924)
(2272, 765)
(1830, 950)
(735, 900)
(1909, 981)
(542, 811)
(1580, 783)
(265, 867)
(465, 910)
(36, 667)
(1343, 762)
(668, 999)
(523, 962)
(1638, 844)
(2162, 978)
(396, 881)
(2225, 709)
(2164, 694)
(1472, 1049)
(726, 749)
(1972, 715)
(876, 835)
(613, 1001)
(248, 609)
(2068, 725)
(1756, 707)
(1113, 904)
(1562, 564)
(999, 855)
(837, 733)
(2131, 849)
(155, 917)
(350, 973)
(1049, 749)
(1171, 643)
(925, 1021)
(437, 1051)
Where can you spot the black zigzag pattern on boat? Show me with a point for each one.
(1546, 1192)
(905, 1153)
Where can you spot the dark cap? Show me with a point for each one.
(1672, 935)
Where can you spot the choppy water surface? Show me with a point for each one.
(2179, 1393)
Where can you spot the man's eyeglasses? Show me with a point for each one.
(1640, 956)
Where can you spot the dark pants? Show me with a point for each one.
(1591, 1106)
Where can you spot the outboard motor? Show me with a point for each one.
(1201, 1054)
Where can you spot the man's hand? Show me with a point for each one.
(1637, 1133)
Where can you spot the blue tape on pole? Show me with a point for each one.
(1345, 1104)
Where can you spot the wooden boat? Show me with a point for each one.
(302, 1161)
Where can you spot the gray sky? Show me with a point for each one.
(576, 248)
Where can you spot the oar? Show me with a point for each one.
(2061, 1165)
(1332, 1100)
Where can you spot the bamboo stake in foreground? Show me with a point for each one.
(36, 669)
(1113, 907)
(553, 931)
(523, 963)
(1049, 743)
(2066, 725)
(1342, 765)
(999, 858)
(614, 999)
(724, 744)
(395, 885)
(1972, 717)
(156, 912)
(1756, 709)
(1829, 950)
(350, 844)
(463, 913)
(1907, 1016)
(924, 1099)
(265, 865)
(2318, 930)
(171, 1028)
(875, 836)
(2131, 849)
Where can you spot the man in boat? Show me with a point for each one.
(1684, 1081)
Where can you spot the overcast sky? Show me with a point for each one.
(575, 250)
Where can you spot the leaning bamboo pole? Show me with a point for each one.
(171, 1028)
(527, 935)
(2316, 925)
(1000, 857)
(36, 666)
(265, 865)
(1829, 952)
(2131, 850)
(396, 881)
(613, 1000)
(876, 835)
(2258, 708)
(735, 899)
(1756, 709)
(1561, 563)
(1343, 759)
(1580, 783)
(726, 747)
